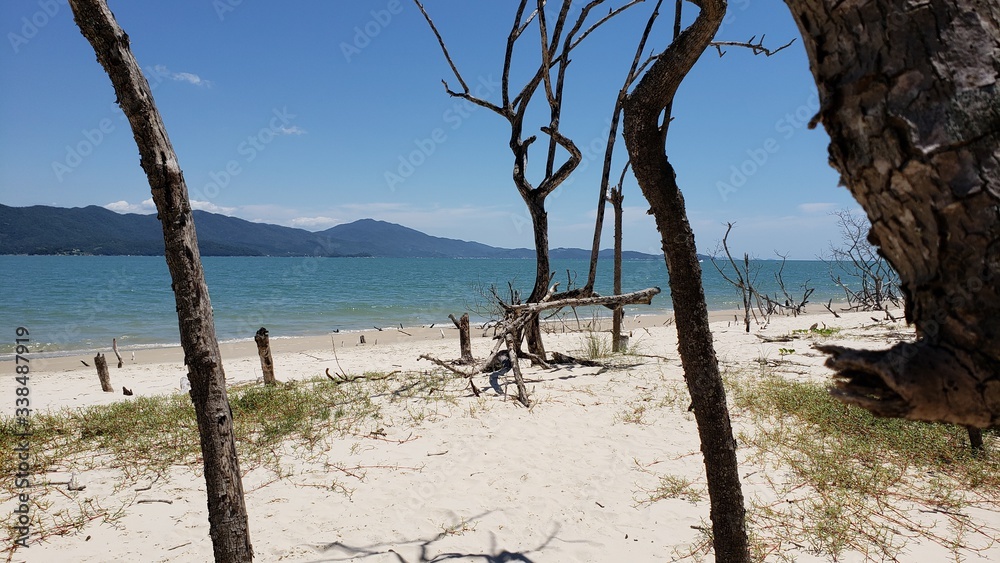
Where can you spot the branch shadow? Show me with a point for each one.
(494, 554)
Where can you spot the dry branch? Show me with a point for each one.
(342, 378)
(447, 366)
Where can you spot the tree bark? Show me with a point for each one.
(540, 223)
(226, 508)
(464, 338)
(618, 344)
(909, 95)
(102, 373)
(645, 142)
(264, 351)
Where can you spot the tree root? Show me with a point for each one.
(917, 381)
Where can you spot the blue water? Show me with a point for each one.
(79, 303)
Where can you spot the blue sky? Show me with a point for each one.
(311, 114)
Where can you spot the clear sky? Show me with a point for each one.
(315, 113)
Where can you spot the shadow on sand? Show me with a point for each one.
(339, 551)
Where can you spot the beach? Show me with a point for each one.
(441, 474)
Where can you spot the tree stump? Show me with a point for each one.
(464, 340)
(264, 351)
(102, 373)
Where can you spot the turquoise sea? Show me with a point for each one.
(79, 303)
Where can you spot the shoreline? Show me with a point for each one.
(76, 360)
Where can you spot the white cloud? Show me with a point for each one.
(813, 208)
(211, 207)
(317, 223)
(122, 206)
(188, 77)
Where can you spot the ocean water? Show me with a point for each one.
(79, 303)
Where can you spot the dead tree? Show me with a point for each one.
(264, 351)
(618, 344)
(464, 338)
(114, 348)
(227, 514)
(872, 284)
(757, 303)
(644, 135)
(743, 278)
(556, 44)
(102, 373)
(516, 316)
(914, 127)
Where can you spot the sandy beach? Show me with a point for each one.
(440, 474)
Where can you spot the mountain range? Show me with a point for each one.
(95, 230)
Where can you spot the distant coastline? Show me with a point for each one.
(96, 231)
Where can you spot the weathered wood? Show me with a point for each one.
(558, 358)
(227, 514)
(522, 391)
(618, 343)
(908, 92)
(644, 132)
(641, 297)
(264, 351)
(469, 376)
(102, 373)
(114, 348)
(464, 338)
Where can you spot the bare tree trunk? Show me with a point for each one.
(464, 338)
(618, 344)
(540, 221)
(102, 373)
(910, 97)
(264, 351)
(644, 139)
(226, 508)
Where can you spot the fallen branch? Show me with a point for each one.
(475, 390)
(343, 378)
(643, 297)
(558, 358)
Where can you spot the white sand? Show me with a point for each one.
(473, 477)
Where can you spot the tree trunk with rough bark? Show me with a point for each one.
(644, 139)
(102, 373)
(618, 344)
(464, 338)
(909, 94)
(540, 223)
(226, 508)
(264, 351)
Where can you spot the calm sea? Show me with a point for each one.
(79, 303)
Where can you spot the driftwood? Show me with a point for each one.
(522, 392)
(114, 346)
(518, 316)
(102, 373)
(465, 341)
(468, 376)
(264, 351)
(342, 378)
(558, 358)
